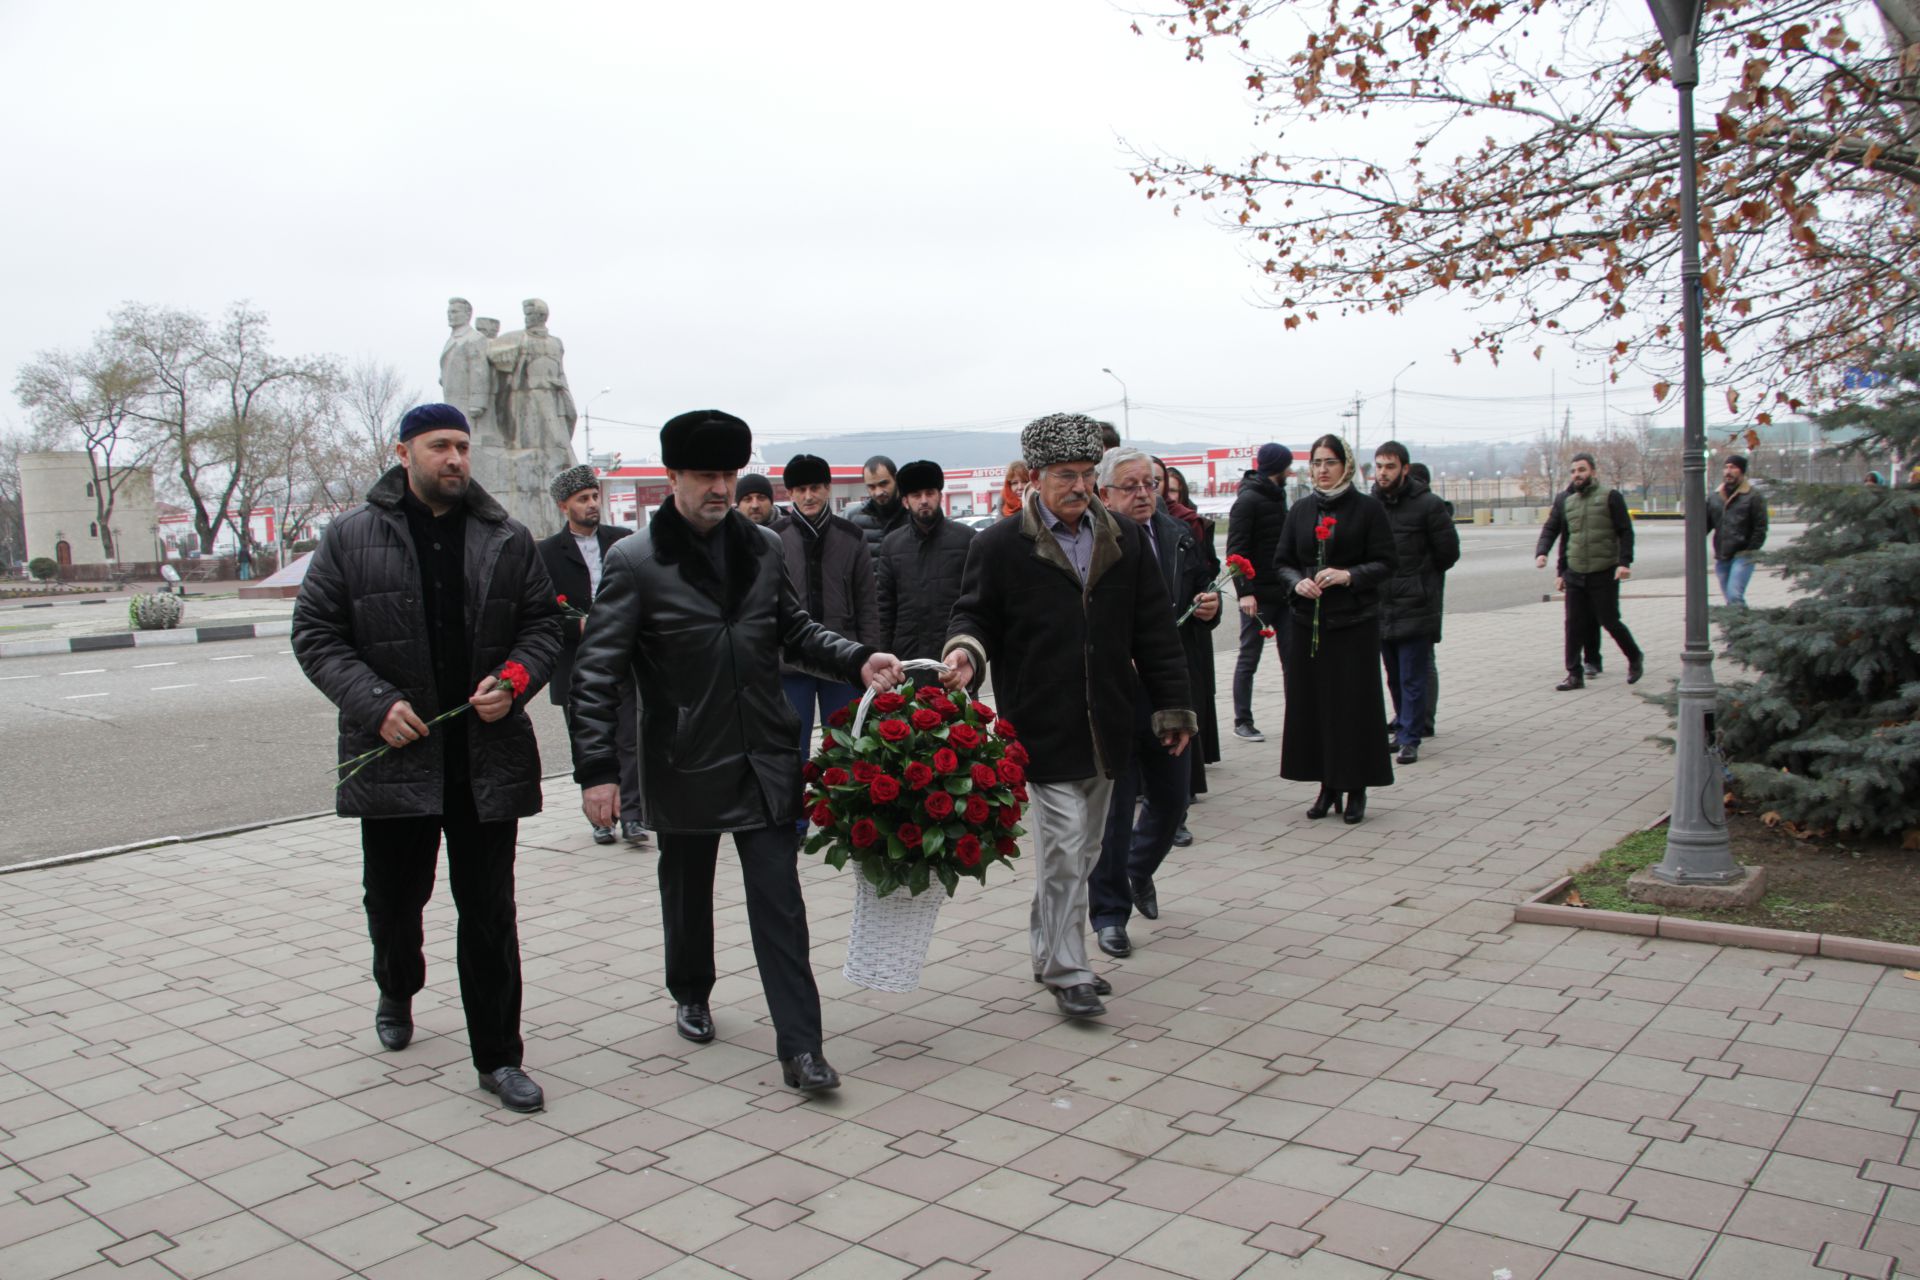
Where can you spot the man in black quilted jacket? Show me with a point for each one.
(919, 567)
(412, 607)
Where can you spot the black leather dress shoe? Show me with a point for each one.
(393, 1023)
(1146, 897)
(1101, 987)
(1079, 1002)
(809, 1073)
(632, 832)
(1636, 669)
(1409, 754)
(1573, 681)
(1114, 941)
(694, 1022)
(1182, 837)
(515, 1089)
(603, 835)
(1592, 669)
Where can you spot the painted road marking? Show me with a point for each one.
(142, 666)
(90, 671)
(232, 657)
(245, 679)
(162, 688)
(35, 676)
(71, 696)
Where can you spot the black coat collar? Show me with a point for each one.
(746, 548)
(391, 487)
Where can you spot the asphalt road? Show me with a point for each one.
(111, 748)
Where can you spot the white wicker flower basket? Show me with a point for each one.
(888, 944)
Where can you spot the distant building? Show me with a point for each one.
(62, 512)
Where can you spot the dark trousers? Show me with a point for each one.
(1131, 850)
(398, 859)
(1433, 693)
(777, 915)
(1251, 643)
(1593, 603)
(1407, 663)
(626, 743)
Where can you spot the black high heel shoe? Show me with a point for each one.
(1356, 805)
(1329, 802)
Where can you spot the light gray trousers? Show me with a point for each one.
(1068, 820)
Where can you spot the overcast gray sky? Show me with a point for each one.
(820, 218)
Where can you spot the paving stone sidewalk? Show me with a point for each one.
(1334, 1056)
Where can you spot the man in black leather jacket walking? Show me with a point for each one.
(700, 609)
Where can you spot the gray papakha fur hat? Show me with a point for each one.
(572, 481)
(1060, 437)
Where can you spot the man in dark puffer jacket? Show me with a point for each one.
(832, 573)
(411, 607)
(920, 567)
(1426, 545)
(1253, 531)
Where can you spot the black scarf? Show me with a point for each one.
(742, 546)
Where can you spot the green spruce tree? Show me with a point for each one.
(1827, 732)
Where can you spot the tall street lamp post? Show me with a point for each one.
(586, 424)
(1394, 389)
(1697, 852)
(1126, 405)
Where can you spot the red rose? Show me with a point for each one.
(888, 703)
(945, 761)
(984, 712)
(923, 718)
(840, 718)
(909, 835)
(965, 735)
(1005, 729)
(1010, 816)
(939, 805)
(1010, 771)
(1020, 792)
(883, 789)
(810, 771)
(822, 815)
(930, 693)
(865, 771)
(894, 730)
(947, 710)
(1018, 754)
(835, 777)
(966, 851)
(918, 776)
(1005, 847)
(984, 776)
(865, 833)
(978, 810)
(515, 675)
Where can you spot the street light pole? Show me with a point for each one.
(1394, 387)
(1126, 406)
(586, 424)
(1697, 851)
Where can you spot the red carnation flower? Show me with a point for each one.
(883, 789)
(559, 599)
(945, 760)
(823, 814)
(1005, 729)
(895, 730)
(835, 777)
(1010, 816)
(1005, 847)
(983, 711)
(909, 835)
(1018, 754)
(918, 776)
(923, 718)
(840, 718)
(1241, 566)
(865, 771)
(978, 810)
(865, 834)
(514, 674)
(964, 735)
(1266, 633)
(888, 703)
(984, 776)
(966, 851)
(930, 693)
(1010, 771)
(810, 771)
(939, 805)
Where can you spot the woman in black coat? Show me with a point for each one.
(1334, 704)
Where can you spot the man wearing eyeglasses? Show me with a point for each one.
(1068, 604)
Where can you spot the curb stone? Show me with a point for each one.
(143, 639)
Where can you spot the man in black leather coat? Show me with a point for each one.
(699, 608)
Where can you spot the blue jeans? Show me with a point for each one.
(803, 692)
(1407, 663)
(1734, 575)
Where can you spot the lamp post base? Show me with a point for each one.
(1646, 886)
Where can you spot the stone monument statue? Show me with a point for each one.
(513, 389)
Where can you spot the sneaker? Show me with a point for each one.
(633, 833)
(603, 835)
(1249, 733)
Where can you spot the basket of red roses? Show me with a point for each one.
(928, 790)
